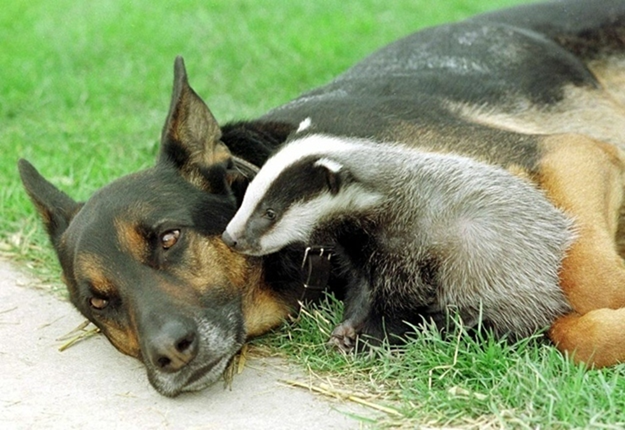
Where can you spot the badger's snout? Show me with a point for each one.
(238, 243)
(242, 243)
(229, 240)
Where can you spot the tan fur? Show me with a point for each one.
(590, 190)
(130, 239)
(91, 268)
(124, 338)
(519, 172)
(595, 338)
(591, 112)
(262, 310)
(585, 178)
(609, 72)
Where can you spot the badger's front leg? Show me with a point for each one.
(357, 309)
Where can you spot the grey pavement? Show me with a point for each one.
(91, 385)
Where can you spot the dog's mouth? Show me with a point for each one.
(218, 345)
(207, 375)
(191, 378)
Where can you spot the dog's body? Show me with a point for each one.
(456, 235)
(535, 90)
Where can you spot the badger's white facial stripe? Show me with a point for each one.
(296, 225)
(290, 154)
(301, 219)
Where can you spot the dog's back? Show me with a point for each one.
(530, 69)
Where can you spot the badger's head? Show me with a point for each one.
(284, 207)
(310, 181)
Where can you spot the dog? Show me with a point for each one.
(536, 90)
(418, 236)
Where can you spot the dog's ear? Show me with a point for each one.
(191, 136)
(55, 207)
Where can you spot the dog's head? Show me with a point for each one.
(143, 257)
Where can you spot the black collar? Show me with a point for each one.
(316, 267)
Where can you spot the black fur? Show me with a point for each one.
(255, 140)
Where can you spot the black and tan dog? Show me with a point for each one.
(538, 90)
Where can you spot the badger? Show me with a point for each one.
(418, 236)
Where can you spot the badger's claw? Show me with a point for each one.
(344, 337)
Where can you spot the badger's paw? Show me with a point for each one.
(344, 337)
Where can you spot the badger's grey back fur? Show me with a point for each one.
(492, 244)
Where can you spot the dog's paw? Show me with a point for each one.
(343, 337)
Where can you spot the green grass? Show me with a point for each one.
(459, 380)
(84, 90)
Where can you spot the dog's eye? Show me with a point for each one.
(270, 214)
(98, 303)
(169, 238)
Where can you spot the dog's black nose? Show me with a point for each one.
(228, 240)
(175, 346)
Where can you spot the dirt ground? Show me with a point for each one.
(91, 385)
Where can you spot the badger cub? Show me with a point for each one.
(419, 235)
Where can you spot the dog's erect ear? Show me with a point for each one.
(191, 136)
(55, 207)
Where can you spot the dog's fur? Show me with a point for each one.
(537, 90)
(417, 234)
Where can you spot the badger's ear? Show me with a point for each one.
(191, 137)
(335, 174)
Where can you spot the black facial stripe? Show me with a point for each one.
(298, 182)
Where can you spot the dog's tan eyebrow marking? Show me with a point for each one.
(91, 268)
(131, 239)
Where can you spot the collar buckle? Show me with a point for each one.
(316, 265)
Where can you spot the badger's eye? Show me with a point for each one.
(98, 303)
(169, 238)
(270, 214)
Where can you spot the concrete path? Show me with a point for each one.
(91, 385)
